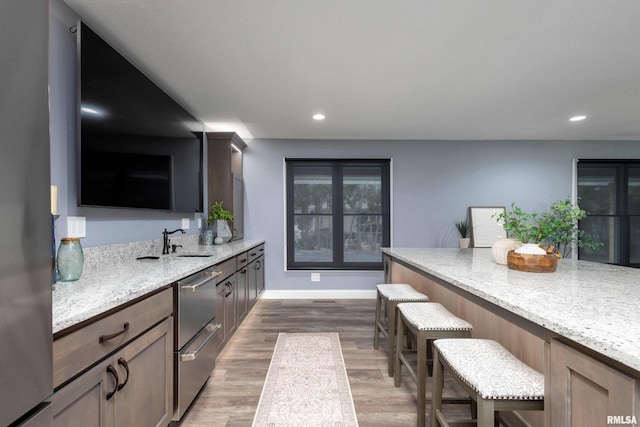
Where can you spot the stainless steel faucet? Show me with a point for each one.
(165, 239)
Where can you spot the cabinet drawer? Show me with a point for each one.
(227, 268)
(80, 349)
(242, 260)
(256, 252)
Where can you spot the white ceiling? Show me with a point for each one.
(382, 69)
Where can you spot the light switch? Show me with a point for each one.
(315, 277)
(76, 226)
(199, 222)
(185, 223)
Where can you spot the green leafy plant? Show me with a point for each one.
(463, 226)
(557, 228)
(217, 212)
(521, 225)
(560, 225)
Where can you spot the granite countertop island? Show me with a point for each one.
(111, 281)
(595, 305)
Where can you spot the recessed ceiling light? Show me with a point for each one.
(318, 117)
(577, 118)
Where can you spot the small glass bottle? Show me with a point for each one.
(70, 259)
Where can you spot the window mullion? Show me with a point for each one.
(338, 214)
(622, 187)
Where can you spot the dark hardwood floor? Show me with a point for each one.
(231, 395)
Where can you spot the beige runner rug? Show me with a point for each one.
(307, 384)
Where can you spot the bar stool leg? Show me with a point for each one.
(376, 336)
(392, 315)
(397, 366)
(438, 384)
(422, 378)
(486, 413)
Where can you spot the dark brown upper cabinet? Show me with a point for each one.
(224, 175)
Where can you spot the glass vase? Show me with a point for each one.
(70, 259)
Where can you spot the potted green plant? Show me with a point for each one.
(557, 230)
(219, 219)
(464, 229)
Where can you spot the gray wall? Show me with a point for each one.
(433, 181)
(433, 184)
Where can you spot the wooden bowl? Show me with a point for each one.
(532, 263)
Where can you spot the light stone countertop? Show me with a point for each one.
(596, 305)
(107, 285)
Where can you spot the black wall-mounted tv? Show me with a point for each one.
(138, 148)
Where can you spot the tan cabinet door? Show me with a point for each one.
(83, 402)
(586, 392)
(145, 368)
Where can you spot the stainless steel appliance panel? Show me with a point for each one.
(196, 303)
(25, 251)
(195, 363)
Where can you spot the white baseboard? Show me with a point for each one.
(319, 294)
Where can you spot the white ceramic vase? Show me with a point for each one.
(501, 248)
(464, 242)
(222, 230)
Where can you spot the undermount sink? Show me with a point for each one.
(141, 258)
(194, 255)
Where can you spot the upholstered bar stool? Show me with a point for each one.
(493, 377)
(427, 321)
(392, 295)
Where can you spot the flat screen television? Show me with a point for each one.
(138, 148)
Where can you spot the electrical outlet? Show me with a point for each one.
(315, 277)
(76, 226)
(185, 223)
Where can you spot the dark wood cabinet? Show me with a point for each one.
(224, 175)
(226, 301)
(237, 292)
(260, 274)
(255, 274)
(134, 387)
(242, 287)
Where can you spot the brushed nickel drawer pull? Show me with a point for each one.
(192, 288)
(104, 338)
(213, 329)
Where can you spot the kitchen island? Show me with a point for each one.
(580, 326)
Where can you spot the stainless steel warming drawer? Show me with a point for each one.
(195, 352)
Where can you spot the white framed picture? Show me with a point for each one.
(485, 228)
